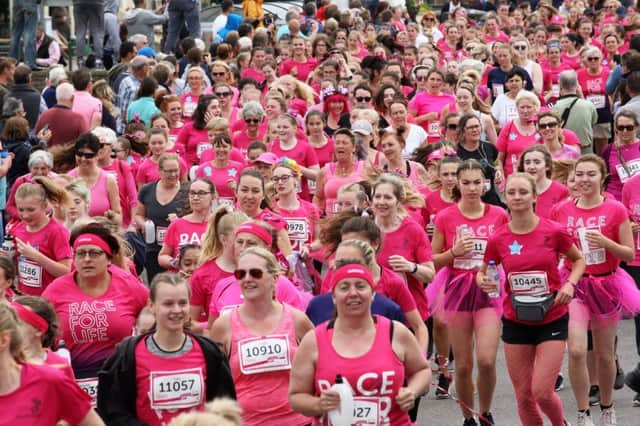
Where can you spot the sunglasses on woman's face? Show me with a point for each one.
(549, 125)
(628, 128)
(87, 155)
(256, 273)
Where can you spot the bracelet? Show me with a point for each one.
(415, 268)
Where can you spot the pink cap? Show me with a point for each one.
(267, 158)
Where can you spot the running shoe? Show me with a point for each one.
(470, 422)
(608, 417)
(442, 391)
(487, 419)
(619, 383)
(636, 400)
(632, 379)
(594, 395)
(559, 382)
(584, 419)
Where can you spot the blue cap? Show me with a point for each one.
(147, 51)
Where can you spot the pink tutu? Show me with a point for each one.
(452, 293)
(605, 298)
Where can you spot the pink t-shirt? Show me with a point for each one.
(122, 173)
(572, 61)
(568, 152)
(253, 73)
(550, 77)
(512, 143)
(45, 396)
(607, 217)
(87, 106)
(192, 143)
(300, 222)
(262, 385)
(148, 171)
(449, 53)
(157, 402)
(492, 39)
(434, 204)
(189, 104)
(333, 183)
(555, 194)
(92, 326)
(53, 242)
(241, 139)
(527, 258)
(202, 281)
(299, 70)
(182, 232)
(409, 240)
(54, 360)
(570, 138)
(100, 202)
(618, 174)
(236, 155)
(453, 225)
(594, 86)
(227, 295)
(631, 200)
(221, 178)
(304, 155)
(424, 103)
(324, 154)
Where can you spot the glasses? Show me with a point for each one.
(87, 155)
(252, 120)
(421, 78)
(198, 193)
(595, 58)
(428, 20)
(283, 178)
(628, 128)
(254, 272)
(218, 74)
(475, 127)
(195, 77)
(170, 171)
(452, 126)
(549, 125)
(520, 46)
(223, 94)
(363, 98)
(93, 254)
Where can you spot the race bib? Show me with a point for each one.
(263, 354)
(30, 273)
(555, 90)
(161, 233)
(473, 259)
(532, 283)
(226, 201)
(434, 128)
(172, 139)
(633, 166)
(498, 89)
(598, 101)
(512, 112)
(366, 410)
(202, 147)
(312, 186)
(188, 109)
(171, 390)
(298, 229)
(90, 386)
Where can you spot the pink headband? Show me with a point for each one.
(92, 239)
(257, 230)
(351, 271)
(27, 315)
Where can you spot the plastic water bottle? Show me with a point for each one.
(342, 416)
(9, 247)
(64, 352)
(149, 232)
(192, 172)
(494, 276)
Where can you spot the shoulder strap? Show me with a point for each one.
(566, 112)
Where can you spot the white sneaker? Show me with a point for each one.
(608, 417)
(584, 419)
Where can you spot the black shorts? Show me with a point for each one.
(522, 334)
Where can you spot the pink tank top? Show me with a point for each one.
(333, 183)
(375, 377)
(260, 367)
(99, 194)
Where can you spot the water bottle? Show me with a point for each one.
(342, 416)
(64, 352)
(9, 247)
(192, 172)
(494, 276)
(99, 65)
(149, 232)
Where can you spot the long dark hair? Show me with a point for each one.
(199, 122)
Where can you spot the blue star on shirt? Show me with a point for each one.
(232, 172)
(512, 136)
(515, 248)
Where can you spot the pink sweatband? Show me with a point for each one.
(257, 230)
(351, 271)
(91, 239)
(27, 315)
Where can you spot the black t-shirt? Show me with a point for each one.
(486, 154)
(159, 213)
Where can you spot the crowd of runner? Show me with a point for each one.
(369, 195)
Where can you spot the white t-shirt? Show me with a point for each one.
(504, 109)
(417, 136)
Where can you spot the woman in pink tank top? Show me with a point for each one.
(392, 143)
(346, 169)
(261, 337)
(380, 359)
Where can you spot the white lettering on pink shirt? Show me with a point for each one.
(592, 222)
(88, 320)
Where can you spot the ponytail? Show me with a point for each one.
(45, 189)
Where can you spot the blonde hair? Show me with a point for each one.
(561, 170)
(218, 124)
(45, 189)
(526, 95)
(9, 322)
(219, 412)
(272, 264)
(222, 222)
(366, 251)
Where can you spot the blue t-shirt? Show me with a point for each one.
(321, 309)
